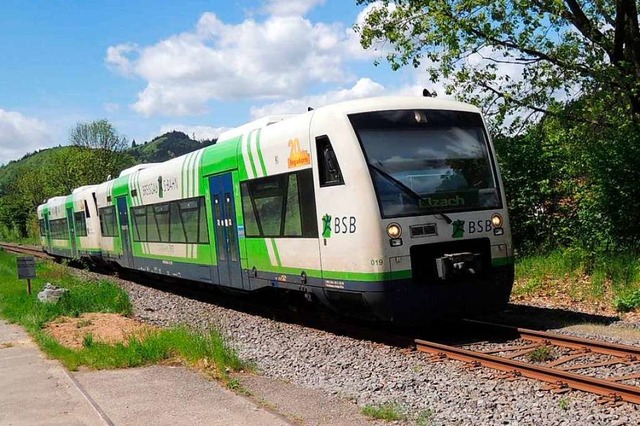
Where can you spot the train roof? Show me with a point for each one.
(136, 168)
(83, 188)
(255, 124)
(382, 103)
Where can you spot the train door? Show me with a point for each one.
(72, 232)
(47, 229)
(226, 231)
(123, 216)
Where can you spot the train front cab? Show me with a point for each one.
(415, 225)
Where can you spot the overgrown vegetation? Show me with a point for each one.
(565, 117)
(207, 350)
(581, 275)
(95, 153)
(541, 354)
(388, 411)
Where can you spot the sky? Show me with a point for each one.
(197, 66)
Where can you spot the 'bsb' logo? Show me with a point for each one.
(458, 229)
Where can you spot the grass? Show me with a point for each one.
(613, 279)
(204, 350)
(564, 404)
(541, 354)
(388, 411)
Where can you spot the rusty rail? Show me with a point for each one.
(23, 249)
(552, 372)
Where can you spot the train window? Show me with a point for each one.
(153, 233)
(139, 223)
(328, 167)
(280, 206)
(292, 220)
(250, 222)
(87, 212)
(428, 161)
(81, 224)
(108, 224)
(193, 220)
(161, 212)
(182, 221)
(59, 230)
(43, 231)
(177, 233)
(203, 228)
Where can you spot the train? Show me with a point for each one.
(388, 207)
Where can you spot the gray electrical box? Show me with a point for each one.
(26, 267)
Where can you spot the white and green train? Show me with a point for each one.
(389, 206)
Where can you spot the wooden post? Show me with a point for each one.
(29, 285)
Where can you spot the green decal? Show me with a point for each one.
(326, 226)
(458, 229)
(160, 186)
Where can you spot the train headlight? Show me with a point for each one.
(394, 230)
(496, 221)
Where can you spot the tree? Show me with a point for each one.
(107, 146)
(518, 57)
(99, 134)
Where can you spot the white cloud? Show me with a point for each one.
(363, 88)
(20, 134)
(117, 59)
(279, 57)
(200, 132)
(291, 7)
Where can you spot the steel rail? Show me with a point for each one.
(611, 389)
(572, 342)
(17, 248)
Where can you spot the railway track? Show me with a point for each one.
(24, 249)
(559, 372)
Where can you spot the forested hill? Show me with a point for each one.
(25, 183)
(161, 148)
(165, 147)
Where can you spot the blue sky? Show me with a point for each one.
(191, 65)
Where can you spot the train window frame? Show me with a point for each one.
(108, 221)
(277, 186)
(59, 229)
(81, 223)
(153, 233)
(492, 159)
(326, 154)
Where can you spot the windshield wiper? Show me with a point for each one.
(396, 182)
(404, 188)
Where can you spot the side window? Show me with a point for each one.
(108, 226)
(182, 221)
(139, 223)
(250, 222)
(328, 167)
(81, 224)
(192, 214)
(280, 206)
(162, 220)
(153, 232)
(59, 230)
(177, 233)
(292, 219)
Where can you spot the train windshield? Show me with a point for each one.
(427, 161)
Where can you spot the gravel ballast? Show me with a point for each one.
(443, 393)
